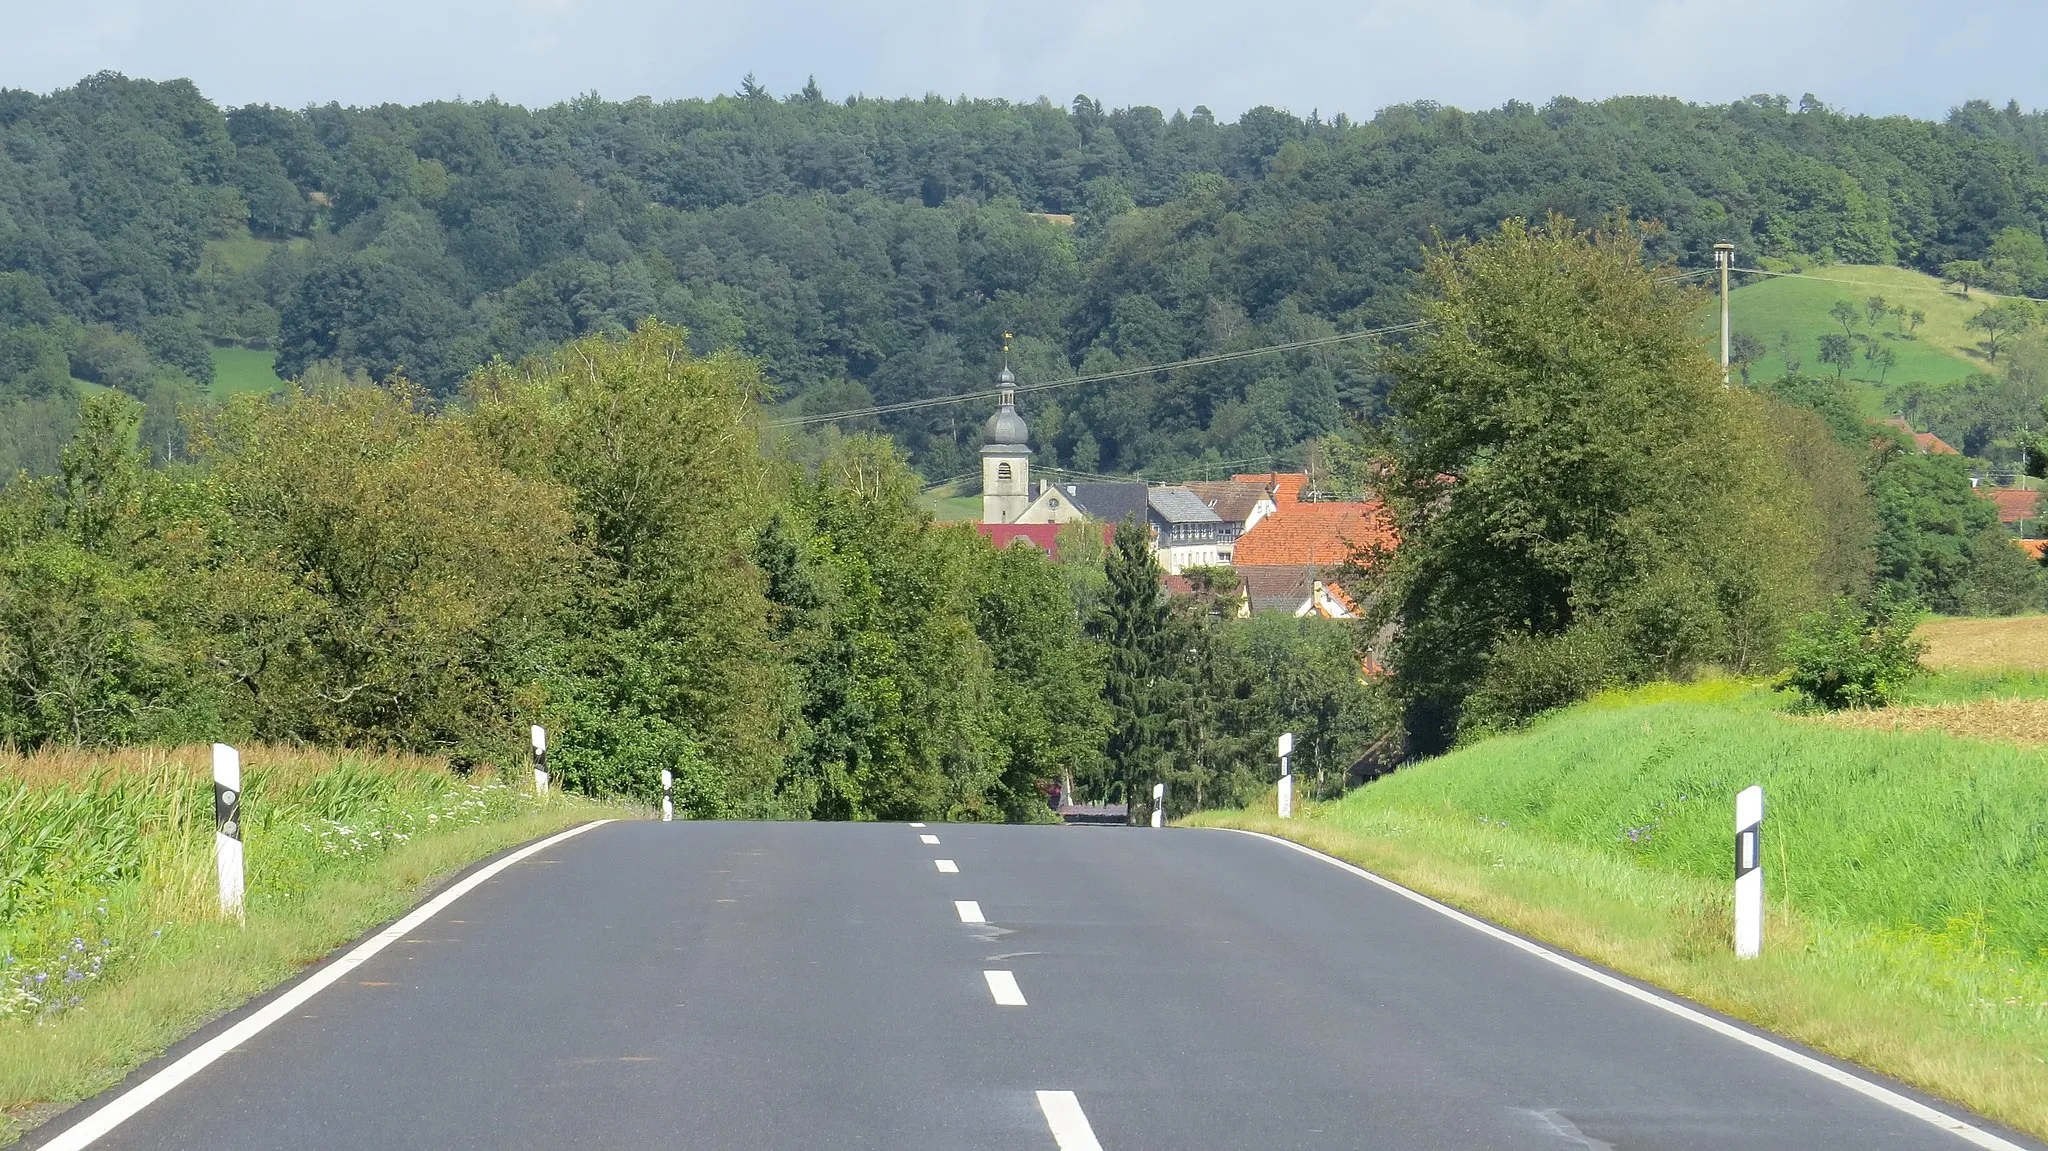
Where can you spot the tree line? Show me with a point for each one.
(868, 250)
(600, 538)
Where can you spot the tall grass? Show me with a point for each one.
(1904, 832)
(104, 854)
(1907, 872)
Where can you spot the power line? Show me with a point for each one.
(1126, 373)
(1121, 373)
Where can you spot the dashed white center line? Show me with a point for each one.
(1069, 1125)
(1003, 985)
(970, 911)
(947, 866)
(927, 839)
(917, 825)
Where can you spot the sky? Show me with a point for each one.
(1355, 56)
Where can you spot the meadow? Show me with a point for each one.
(1785, 312)
(237, 370)
(112, 944)
(1906, 871)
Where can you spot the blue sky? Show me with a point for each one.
(1875, 56)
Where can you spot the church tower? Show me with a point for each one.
(1005, 458)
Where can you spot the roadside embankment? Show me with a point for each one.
(1907, 872)
(112, 945)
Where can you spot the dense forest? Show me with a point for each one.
(870, 250)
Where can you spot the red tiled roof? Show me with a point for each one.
(1040, 536)
(2014, 504)
(1289, 483)
(1928, 443)
(2035, 548)
(1324, 534)
(1177, 585)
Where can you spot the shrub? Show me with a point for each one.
(1527, 675)
(1851, 656)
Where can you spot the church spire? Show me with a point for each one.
(1005, 453)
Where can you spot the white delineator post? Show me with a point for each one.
(540, 760)
(1749, 872)
(1286, 776)
(227, 827)
(1159, 805)
(668, 786)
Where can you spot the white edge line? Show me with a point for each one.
(1858, 1084)
(1069, 1123)
(1002, 987)
(969, 911)
(126, 1105)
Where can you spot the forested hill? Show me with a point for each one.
(875, 249)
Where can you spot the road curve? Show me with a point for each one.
(775, 985)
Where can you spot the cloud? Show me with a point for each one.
(1878, 56)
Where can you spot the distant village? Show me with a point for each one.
(1279, 539)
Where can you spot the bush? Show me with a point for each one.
(1527, 675)
(1850, 656)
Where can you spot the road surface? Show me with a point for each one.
(775, 985)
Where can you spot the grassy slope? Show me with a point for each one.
(237, 370)
(346, 842)
(1941, 350)
(1908, 872)
(951, 507)
(241, 252)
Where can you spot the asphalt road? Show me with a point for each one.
(743, 986)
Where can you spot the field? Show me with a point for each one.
(237, 370)
(1907, 870)
(111, 941)
(1782, 310)
(2012, 642)
(951, 507)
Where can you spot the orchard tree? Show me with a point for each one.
(1999, 321)
(1837, 351)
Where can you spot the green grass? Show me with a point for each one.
(950, 506)
(1908, 873)
(238, 370)
(111, 945)
(241, 252)
(1940, 351)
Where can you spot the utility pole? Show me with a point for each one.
(1724, 255)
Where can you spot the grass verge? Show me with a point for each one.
(1593, 832)
(112, 949)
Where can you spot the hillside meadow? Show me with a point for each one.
(1906, 871)
(1788, 313)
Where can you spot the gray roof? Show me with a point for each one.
(1181, 506)
(1232, 499)
(1109, 502)
(1275, 587)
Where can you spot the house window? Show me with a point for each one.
(1003, 473)
(1052, 503)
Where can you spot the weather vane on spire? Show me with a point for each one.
(1006, 349)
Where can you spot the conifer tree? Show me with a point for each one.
(1134, 625)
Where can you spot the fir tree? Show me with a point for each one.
(1134, 625)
